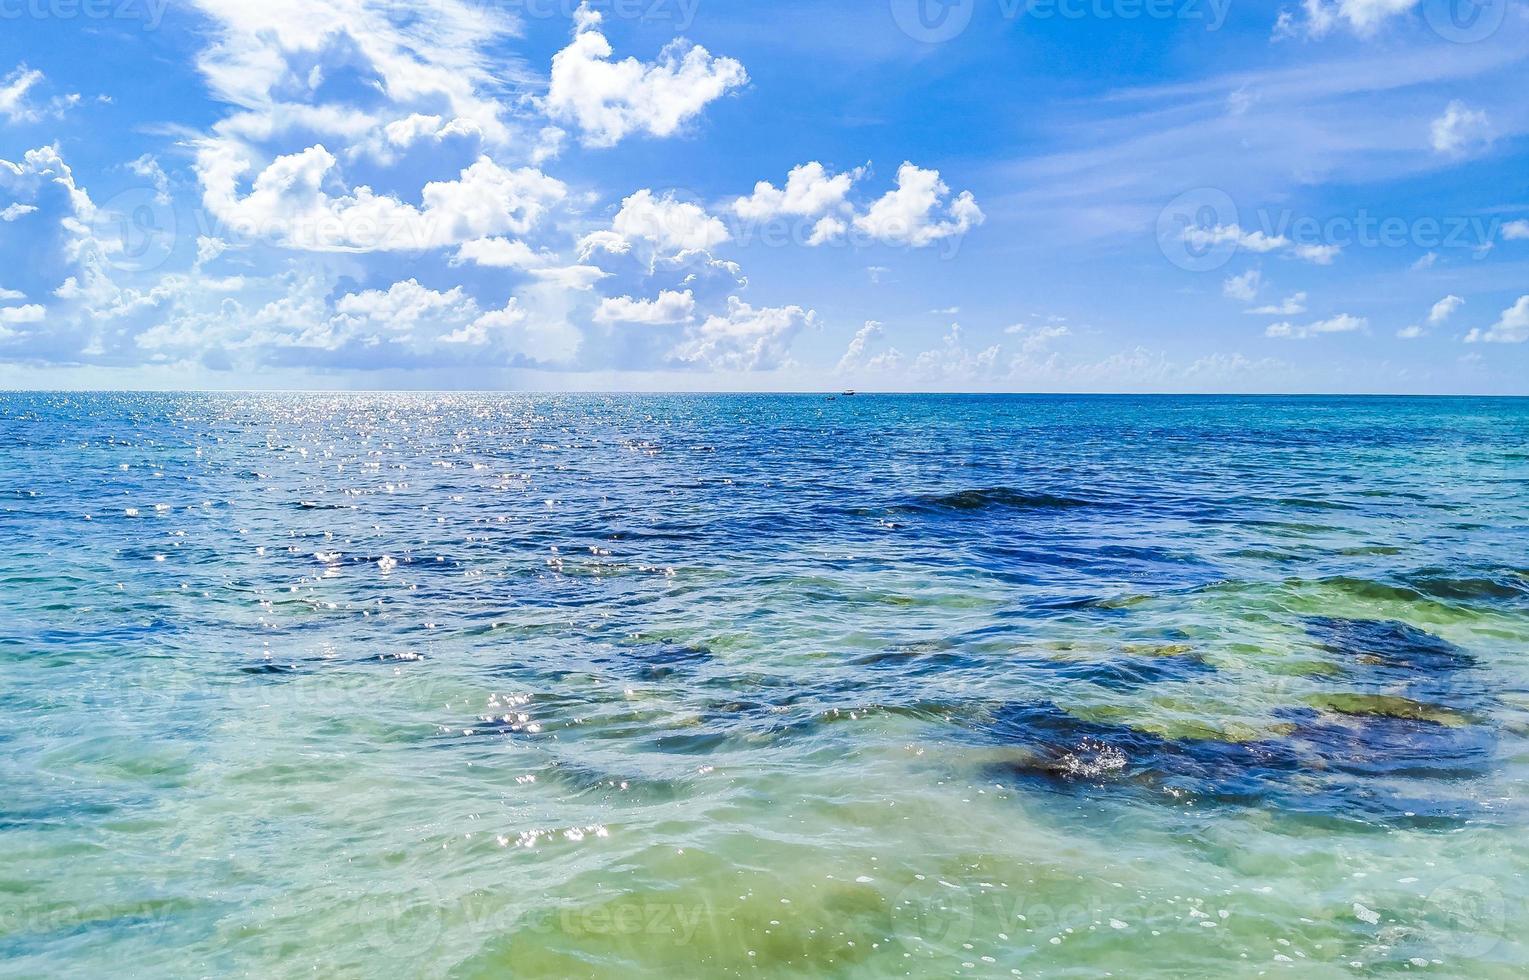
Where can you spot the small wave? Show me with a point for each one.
(1440, 584)
(1007, 497)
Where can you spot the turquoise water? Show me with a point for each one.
(483, 685)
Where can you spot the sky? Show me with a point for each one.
(678, 195)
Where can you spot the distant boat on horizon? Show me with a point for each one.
(850, 393)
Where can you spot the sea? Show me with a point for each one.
(511, 685)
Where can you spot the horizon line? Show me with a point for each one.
(721, 392)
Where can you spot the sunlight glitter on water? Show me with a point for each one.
(462, 685)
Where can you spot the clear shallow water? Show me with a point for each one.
(476, 686)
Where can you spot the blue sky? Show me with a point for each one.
(1064, 195)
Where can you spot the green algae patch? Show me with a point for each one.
(1390, 706)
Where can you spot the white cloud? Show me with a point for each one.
(1244, 287)
(1253, 241)
(1515, 231)
(953, 361)
(400, 309)
(1292, 305)
(1034, 338)
(854, 354)
(13, 92)
(16, 211)
(272, 61)
(1318, 254)
(609, 100)
(747, 338)
(669, 307)
(827, 229)
(1342, 323)
(1412, 332)
(1426, 261)
(21, 314)
(501, 253)
(403, 133)
(16, 105)
(9, 294)
(208, 248)
(481, 330)
(569, 276)
(406, 314)
(545, 267)
(670, 226)
(909, 215)
(1444, 309)
(809, 191)
(1258, 242)
(1511, 328)
(1319, 17)
(148, 168)
(287, 203)
(1460, 130)
(43, 169)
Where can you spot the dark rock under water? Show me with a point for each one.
(1369, 756)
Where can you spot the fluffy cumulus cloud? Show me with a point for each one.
(1342, 323)
(502, 253)
(1515, 231)
(42, 173)
(1244, 287)
(299, 325)
(287, 204)
(919, 212)
(809, 192)
(1459, 130)
(31, 313)
(746, 338)
(610, 100)
(1511, 328)
(669, 307)
(1444, 309)
(855, 354)
(399, 312)
(954, 362)
(668, 226)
